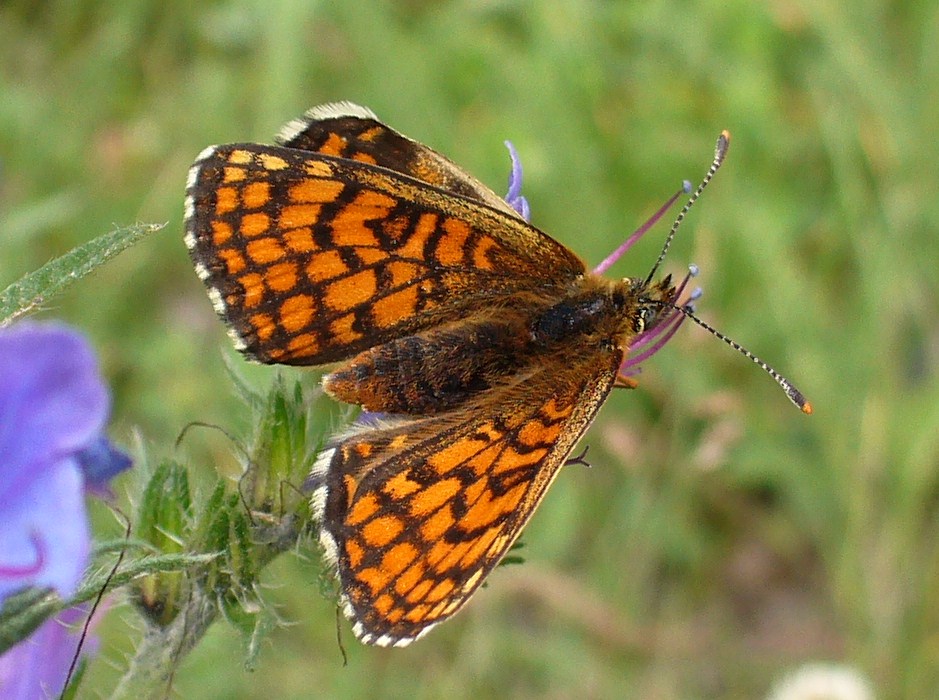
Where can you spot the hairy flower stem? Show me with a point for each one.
(162, 649)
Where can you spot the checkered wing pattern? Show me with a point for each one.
(349, 131)
(417, 513)
(311, 258)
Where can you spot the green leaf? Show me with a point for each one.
(134, 569)
(24, 612)
(36, 288)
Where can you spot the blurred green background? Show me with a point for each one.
(721, 539)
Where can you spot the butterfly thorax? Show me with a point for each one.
(445, 367)
(597, 310)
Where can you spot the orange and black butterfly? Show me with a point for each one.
(479, 347)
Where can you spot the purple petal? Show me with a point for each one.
(100, 462)
(52, 400)
(53, 407)
(607, 262)
(514, 196)
(45, 532)
(37, 666)
(371, 418)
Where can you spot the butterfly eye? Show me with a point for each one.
(643, 318)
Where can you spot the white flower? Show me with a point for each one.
(819, 681)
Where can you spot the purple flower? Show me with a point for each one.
(37, 667)
(53, 410)
(514, 196)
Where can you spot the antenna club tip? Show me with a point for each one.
(723, 144)
(807, 408)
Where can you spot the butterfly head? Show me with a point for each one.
(659, 310)
(653, 303)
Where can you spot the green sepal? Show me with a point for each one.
(254, 620)
(281, 453)
(241, 552)
(212, 536)
(243, 389)
(224, 528)
(165, 521)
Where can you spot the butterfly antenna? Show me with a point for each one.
(794, 394)
(720, 152)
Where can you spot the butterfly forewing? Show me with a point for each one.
(416, 514)
(311, 258)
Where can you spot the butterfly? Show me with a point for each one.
(479, 348)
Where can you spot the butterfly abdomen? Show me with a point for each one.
(434, 371)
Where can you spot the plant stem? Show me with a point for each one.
(162, 649)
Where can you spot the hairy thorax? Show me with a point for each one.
(442, 368)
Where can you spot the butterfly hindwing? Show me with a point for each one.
(416, 513)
